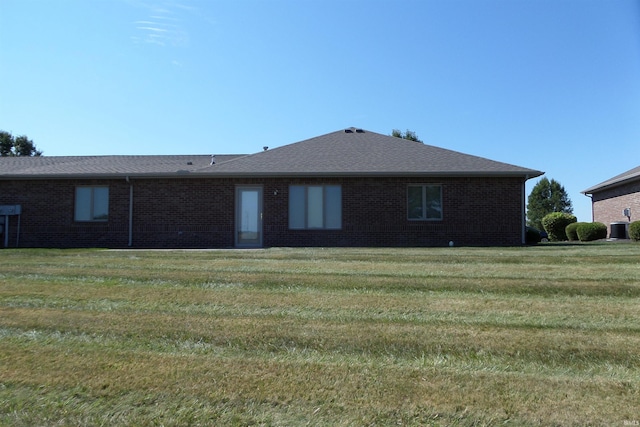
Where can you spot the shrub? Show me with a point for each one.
(532, 236)
(588, 231)
(571, 231)
(634, 230)
(555, 223)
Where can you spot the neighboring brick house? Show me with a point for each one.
(614, 198)
(347, 188)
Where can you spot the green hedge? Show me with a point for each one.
(634, 231)
(571, 231)
(589, 231)
(555, 223)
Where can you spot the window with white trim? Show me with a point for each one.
(424, 202)
(92, 204)
(315, 207)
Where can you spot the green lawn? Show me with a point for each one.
(544, 335)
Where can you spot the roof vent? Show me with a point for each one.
(359, 131)
(265, 148)
(189, 163)
(348, 131)
(213, 159)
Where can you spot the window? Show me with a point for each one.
(424, 202)
(92, 204)
(315, 206)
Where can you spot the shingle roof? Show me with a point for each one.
(358, 152)
(72, 166)
(349, 152)
(630, 175)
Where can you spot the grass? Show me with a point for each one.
(544, 335)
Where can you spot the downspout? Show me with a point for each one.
(524, 210)
(130, 211)
(18, 232)
(592, 213)
(6, 231)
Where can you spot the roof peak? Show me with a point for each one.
(353, 130)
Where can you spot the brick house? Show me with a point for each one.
(617, 199)
(347, 188)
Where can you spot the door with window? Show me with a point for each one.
(248, 217)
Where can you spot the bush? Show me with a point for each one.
(588, 231)
(571, 231)
(532, 236)
(634, 231)
(555, 223)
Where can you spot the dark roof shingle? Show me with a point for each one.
(365, 153)
(630, 175)
(71, 166)
(350, 152)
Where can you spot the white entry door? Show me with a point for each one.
(249, 216)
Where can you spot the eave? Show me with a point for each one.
(607, 186)
(315, 174)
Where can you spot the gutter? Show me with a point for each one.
(292, 174)
(610, 184)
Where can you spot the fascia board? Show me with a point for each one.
(186, 174)
(598, 188)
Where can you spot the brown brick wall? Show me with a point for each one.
(47, 218)
(200, 213)
(608, 205)
(475, 212)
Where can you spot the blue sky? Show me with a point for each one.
(552, 85)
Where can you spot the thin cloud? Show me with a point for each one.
(167, 16)
(164, 24)
(157, 30)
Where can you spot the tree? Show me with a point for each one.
(17, 146)
(546, 197)
(409, 134)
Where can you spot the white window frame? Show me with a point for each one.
(91, 203)
(315, 207)
(425, 216)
